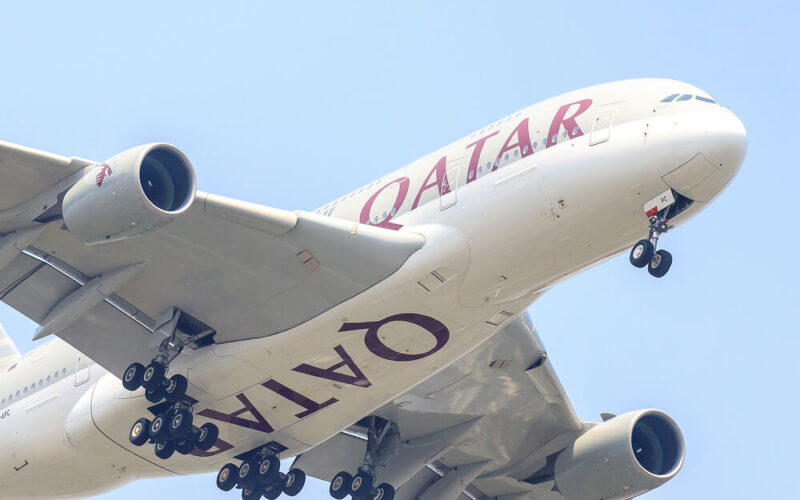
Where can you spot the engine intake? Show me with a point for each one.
(621, 458)
(136, 191)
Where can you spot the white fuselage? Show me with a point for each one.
(506, 212)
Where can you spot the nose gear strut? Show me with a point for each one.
(644, 252)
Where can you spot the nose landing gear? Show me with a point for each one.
(260, 475)
(362, 485)
(644, 252)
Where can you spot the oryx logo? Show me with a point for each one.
(105, 171)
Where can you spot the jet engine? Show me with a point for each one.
(136, 191)
(621, 458)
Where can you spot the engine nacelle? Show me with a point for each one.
(621, 458)
(136, 191)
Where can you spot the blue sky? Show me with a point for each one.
(293, 104)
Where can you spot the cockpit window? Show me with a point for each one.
(685, 97)
(705, 99)
(669, 98)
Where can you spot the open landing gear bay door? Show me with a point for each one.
(240, 269)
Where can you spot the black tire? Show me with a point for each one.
(132, 378)
(251, 492)
(660, 264)
(175, 389)
(159, 428)
(362, 485)
(206, 436)
(180, 423)
(294, 482)
(273, 491)
(340, 485)
(247, 474)
(140, 432)
(641, 253)
(153, 376)
(227, 477)
(165, 449)
(384, 491)
(154, 395)
(268, 470)
(186, 445)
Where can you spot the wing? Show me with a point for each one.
(235, 270)
(485, 425)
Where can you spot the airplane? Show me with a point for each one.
(381, 341)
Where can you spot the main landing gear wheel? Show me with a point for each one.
(154, 395)
(180, 424)
(140, 432)
(362, 485)
(206, 436)
(272, 491)
(132, 378)
(340, 485)
(251, 493)
(186, 445)
(384, 491)
(153, 375)
(159, 431)
(294, 482)
(660, 264)
(165, 449)
(247, 474)
(268, 470)
(176, 387)
(226, 478)
(641, 253)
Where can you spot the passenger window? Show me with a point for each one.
(554, 138)
(534, 145)
(705, 99)
(669, 98)
(525, 150)
(685, 97)
(48, 379)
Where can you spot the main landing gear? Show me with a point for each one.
(644, 252)
(260, 475)
(171, 430)
(362, 485)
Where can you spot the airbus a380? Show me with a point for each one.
(380, 340)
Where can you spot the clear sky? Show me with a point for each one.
(293, 104)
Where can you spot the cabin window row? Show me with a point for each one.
(25, 390)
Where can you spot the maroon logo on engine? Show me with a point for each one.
(105, 171)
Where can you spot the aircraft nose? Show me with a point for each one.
(721, 140)
(726, 141)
